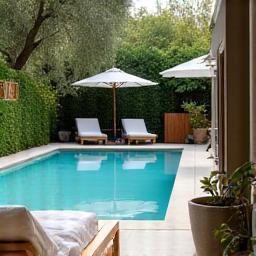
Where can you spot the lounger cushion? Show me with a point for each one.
(142, 135)
(52, 233)
(72, 231)
(92, 134)
(17, 224)
(89, 127)
(136, 128)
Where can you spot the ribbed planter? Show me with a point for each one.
(64, 136)
(204, 219)
(200, 135)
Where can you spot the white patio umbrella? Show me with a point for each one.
(201, 67)
(114, 78)
(195, 68)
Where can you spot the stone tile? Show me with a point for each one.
(156, 243)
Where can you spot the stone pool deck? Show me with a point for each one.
(170, 237)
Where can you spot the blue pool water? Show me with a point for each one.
(115, 185)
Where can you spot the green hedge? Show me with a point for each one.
(30, 120)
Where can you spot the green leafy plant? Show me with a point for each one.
(236, 240)
(229, 190)
(197, 114)
(232, 190)
(30, 120)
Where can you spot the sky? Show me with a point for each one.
(149, 4)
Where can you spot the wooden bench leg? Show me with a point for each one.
(116, 244)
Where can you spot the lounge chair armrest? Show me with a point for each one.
(17, 248)
(108, 232)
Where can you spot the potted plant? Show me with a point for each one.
(198, 121)
(63, 133)
(227, 207)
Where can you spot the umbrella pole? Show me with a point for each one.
(114, 109)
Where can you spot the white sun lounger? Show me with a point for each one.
(135, 130)
(89, 130)
(54, 233)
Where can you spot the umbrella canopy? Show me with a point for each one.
(114, 78)
(195, 68)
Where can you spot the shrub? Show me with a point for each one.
(30, 120)
(197, 115)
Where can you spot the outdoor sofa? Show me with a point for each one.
(135, 130)
(55, 233)
(89, 130)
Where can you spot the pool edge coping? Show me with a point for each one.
(52, 150)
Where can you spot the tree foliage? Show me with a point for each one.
(61, 40)
(179, 34)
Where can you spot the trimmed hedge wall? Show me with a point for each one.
(30, 120)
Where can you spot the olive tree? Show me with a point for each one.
(82, 31)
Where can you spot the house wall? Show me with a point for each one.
(230, 46)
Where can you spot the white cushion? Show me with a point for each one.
(52, 233)
(136, 128)
(72, 231)
(89, 127)
(92, 134)
(17, 224)
(139, 134)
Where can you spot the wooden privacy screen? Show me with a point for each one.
(176, 127)
(9, 90)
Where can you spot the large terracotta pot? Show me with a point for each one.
(200, 135)
(204, 219)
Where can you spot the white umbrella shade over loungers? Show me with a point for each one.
(195, 68)
(114, 78)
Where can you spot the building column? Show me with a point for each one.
(236, 85)
(253, 80)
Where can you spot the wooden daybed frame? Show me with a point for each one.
(97, 139)
(106, 242)
(137, 139)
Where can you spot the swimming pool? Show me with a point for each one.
(116, 185)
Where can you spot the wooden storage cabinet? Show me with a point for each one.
(176, 127)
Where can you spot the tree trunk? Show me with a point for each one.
(31, 42)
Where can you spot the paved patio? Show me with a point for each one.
(171, 237)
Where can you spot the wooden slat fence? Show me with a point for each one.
(176, 127)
